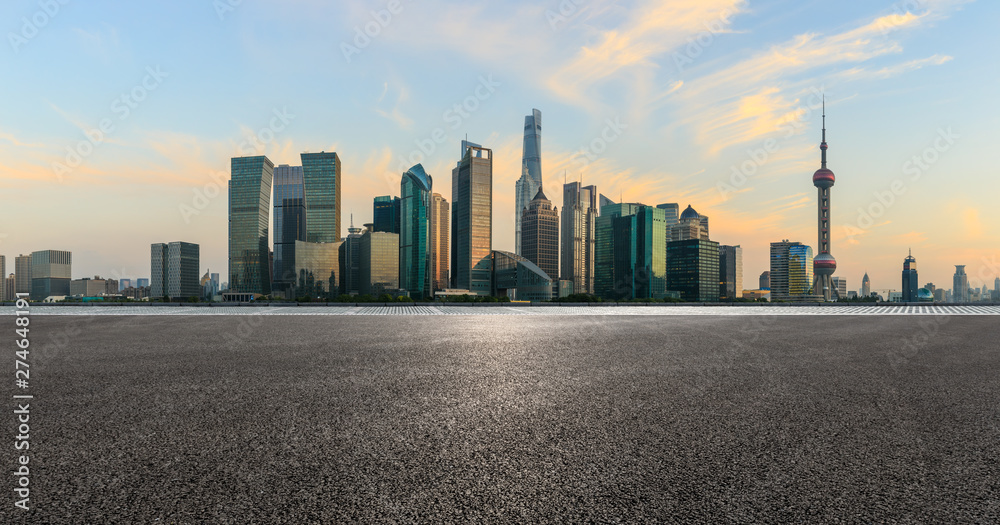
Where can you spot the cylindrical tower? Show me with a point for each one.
(824, 265)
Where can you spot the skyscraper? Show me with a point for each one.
(765, 281)
(350, 261)
(472, 221)
(640, 255)
(824, 264)
(540, 235)
(672, 213)
(730, 272)
(960, 285)
(249, 202)
(22, 274)
(50, 273)
(321, 174)
(579, 241)
(8, 288)
(289, 224)
(840, 284)
(531, 172)
(385, 214)
(605, 284)
(688, 226)
(174, 270)
(3, 269)
(693, 269)
(440, 241)
(866, 286)
(379, 263)
(414, 233)
(910, 286)
(316, 267)
(791, 272)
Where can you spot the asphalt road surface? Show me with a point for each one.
(340, 419)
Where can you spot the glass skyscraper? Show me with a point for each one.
(605, 284)
(472, 221)
(249, 206)
(440, 241)
(321, 175)
(531, 172)
(579, 221)
(174, 269)
(289, 224)
(379, 268)
(792, 272)
(414, 233)
(910, 285)
(640, 254)
(316, 266)
(51, 271)
(694, 269)
(730, 272)
(386, 213)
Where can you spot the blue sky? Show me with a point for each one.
(651, 101)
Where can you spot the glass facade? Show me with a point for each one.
(910, 287)
(605, 284)
(249, 218)
(289, 224)
(22, 274)
(414, 235)
(350, 262)
(386, 214)
(174, 269)
(321, 175)
(472, 221)
(730, 272)
(694, 269)
(800, 270)
(379, 258)
(516, 276)
(578, 242)
(530, 182)
(51, 271)
(640, 254)
(540, 235)
(316, 267)
(440, 241)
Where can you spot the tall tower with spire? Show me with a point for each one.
(824, 265)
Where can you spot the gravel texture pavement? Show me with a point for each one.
(557, 419)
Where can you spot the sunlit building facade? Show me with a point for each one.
(530, 182)
(472, 221)
(379, 263)
(440, 241)
(792, 272)
(321, 174)
(639, 262)
(605, 284)
(540, 234)
(316, 268)
(579, 241)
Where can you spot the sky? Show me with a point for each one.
(119, 119)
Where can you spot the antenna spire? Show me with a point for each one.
(822, 145)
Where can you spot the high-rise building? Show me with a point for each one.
(51, 271)
(730, 272)
(910, 286)
(142, 283)
(350, 261)
(124, 283)
(540, 235)
(249, 206)
(840, 284)
(414, 233)
(9, 287)
(791, 272)
(824, 264)
(960, 285)
(866, 286)
(673, 214)
(379, 263)
(694, 269)
(386, 213)
(321, 174)
(764, 283)
(440, 241)
(531, 172)
(22, 274)
(174, 270)
(289, 225)
(316, 266)
(3, 268)
(472, 221)
(703, 222)
(688, 226)
(605, 283)
(579, 241)
(640, 255)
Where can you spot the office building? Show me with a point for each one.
(824, 265)
(95, 287)
(125, 283)
(472, 221)
(694, 269)
(415, 189)
(9, 287)
(142, 283)
(350, 261)
(672, 213)
(249, 221)
(910, 287)
(639, 262)
(516, 277)
(3, 268)
(866, 286)
(764, 283)
(174, 269)
(792, 272)
(531, 172)
(51, 271)
(386, 214)
(316, 267)
(579, 240)
(605, 283)
(688, 226)
(960, 285)
(379, 263)
(540, 235)
(289, 225)
(22, 274)
(440, 241)
(321, 174)
(840, 284)
(730, 272)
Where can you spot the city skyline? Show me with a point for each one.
(898, 86)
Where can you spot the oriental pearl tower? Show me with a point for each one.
(824, 264)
